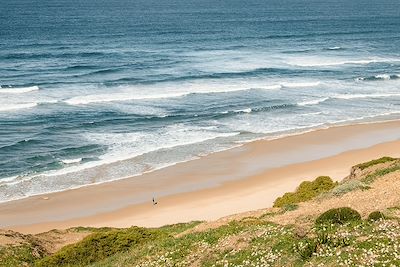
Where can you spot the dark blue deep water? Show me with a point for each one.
(127, 86)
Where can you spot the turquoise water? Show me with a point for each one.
(94, 91)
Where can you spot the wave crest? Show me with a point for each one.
(313, 102)
(18, 90)
(301, 84)
(379, 77)
(19, 106)
(71, 161)
(129, 94)
(12, 107)
(353, 96)
(326, 62)
(335, 48)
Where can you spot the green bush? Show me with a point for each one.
(20, 255)
(365, 165)
(306, 248)
(375, 216)
(339, 216)
(306, 191)
(99, 246)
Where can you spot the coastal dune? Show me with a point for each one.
(241, 179)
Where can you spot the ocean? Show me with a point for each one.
(94, 91)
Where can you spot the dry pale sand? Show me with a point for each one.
(246, 178)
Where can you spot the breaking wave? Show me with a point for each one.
(18, 90)
(379, 77)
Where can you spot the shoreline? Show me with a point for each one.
(205, 188)
(238, 145)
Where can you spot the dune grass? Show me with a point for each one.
(339, 237)
(99, 246)
(25, 255)
(255, 242)
(306, 191)
(381, 172)
(368, 164)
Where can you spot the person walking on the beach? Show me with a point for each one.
(154, 201)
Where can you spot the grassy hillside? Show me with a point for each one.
(353, 223)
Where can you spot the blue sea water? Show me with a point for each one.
(94, 91)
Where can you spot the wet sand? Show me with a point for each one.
(245, 178)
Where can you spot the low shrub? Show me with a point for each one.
(306, 191)
(347, 187)
(20, 255)
(379, 173)
(368, 164)
(306, 248)
(376, 216)
(339, 216)
(290, 207)
(99, 246)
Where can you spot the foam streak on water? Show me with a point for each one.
(117, 88)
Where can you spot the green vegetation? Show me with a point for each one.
(247, 242)
(368, 164)
(359, 243)
(238, 242)
(338, 237)
(306, 191)
(381, 172)
(178, 228)
(338, 216)
(99, 246)
(375, 216)
(290, 207)
(255, 242)
(19, 249)
(346, 187)
(306, 248)
(24, 255)
(365, 181)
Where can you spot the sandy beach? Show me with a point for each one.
(245, 178)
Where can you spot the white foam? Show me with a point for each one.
(363, 118)
(12, 107)
(231, 61)
(89, 99)
(383, 76)
(18, 90)
(127, 145)
(301, 84)
(246, 110)
(335, 63)
(52, 101)
(123, 146)
(313, 113)
(9, 179)
(334, 48)
(171, 90)
(174, 90)
(332, 61)
(45, 186)
(271, 87)
(354, 96)
(71, 161)
(6, 107)
(313, 102)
